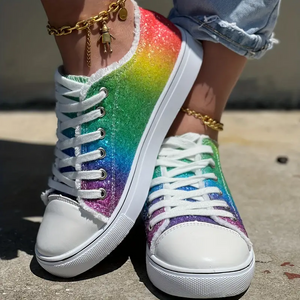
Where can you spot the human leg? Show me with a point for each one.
(245, 28)
(219, 73)
(73, 46)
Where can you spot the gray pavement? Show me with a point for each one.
(266, 192)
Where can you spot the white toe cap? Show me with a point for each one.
(64, 227)
(201, 247)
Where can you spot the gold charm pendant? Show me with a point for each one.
(105, 38)
(123, 13)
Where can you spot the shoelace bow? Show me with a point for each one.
(69, 182)
(174, 200)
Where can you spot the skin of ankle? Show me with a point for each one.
(72, 47)
(218, 75)
(184, 123)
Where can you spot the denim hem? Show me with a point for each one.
(214, 29)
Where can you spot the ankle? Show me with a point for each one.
(184, 123)
(73, 47)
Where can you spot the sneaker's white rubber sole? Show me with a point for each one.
(136, 190)
(200, 286)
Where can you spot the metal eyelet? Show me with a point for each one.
(234, 219)
(103, 174)
(103, 193)
(102, 111)
(221, 193)
(102, 153)
(103, 89)
(102, 133)
(150, 228)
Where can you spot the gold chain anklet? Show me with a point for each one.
(102, 18)
(207, 120)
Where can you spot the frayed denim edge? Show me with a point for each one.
(212, 28)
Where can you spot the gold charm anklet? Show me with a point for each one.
(208, 121)
(102, 18)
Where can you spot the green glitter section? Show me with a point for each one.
(130, 105)
(216, 157)
(157, 172)
(133, 93)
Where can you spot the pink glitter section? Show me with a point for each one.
(107, 205)
(236, 223)
(151, 233)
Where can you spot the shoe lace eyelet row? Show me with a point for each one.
(103, 192)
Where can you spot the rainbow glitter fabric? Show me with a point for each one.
(220, 183)
(133, 91)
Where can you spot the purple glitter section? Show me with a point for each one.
(105, 208)
(183, 219)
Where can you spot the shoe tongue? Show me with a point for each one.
(195, 137)
(199, 139)
(81, 79)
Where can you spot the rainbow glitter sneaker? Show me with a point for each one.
(110, 128)
(197, 244)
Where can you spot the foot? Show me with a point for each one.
(197, 244)
(110, 128)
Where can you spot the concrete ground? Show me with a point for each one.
(266, 192)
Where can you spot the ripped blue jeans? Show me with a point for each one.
(244, 26)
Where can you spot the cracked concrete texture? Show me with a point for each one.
(266, 192)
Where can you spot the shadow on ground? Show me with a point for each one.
(24, 170)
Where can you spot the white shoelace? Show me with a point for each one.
(172, 154)
(67, 182)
